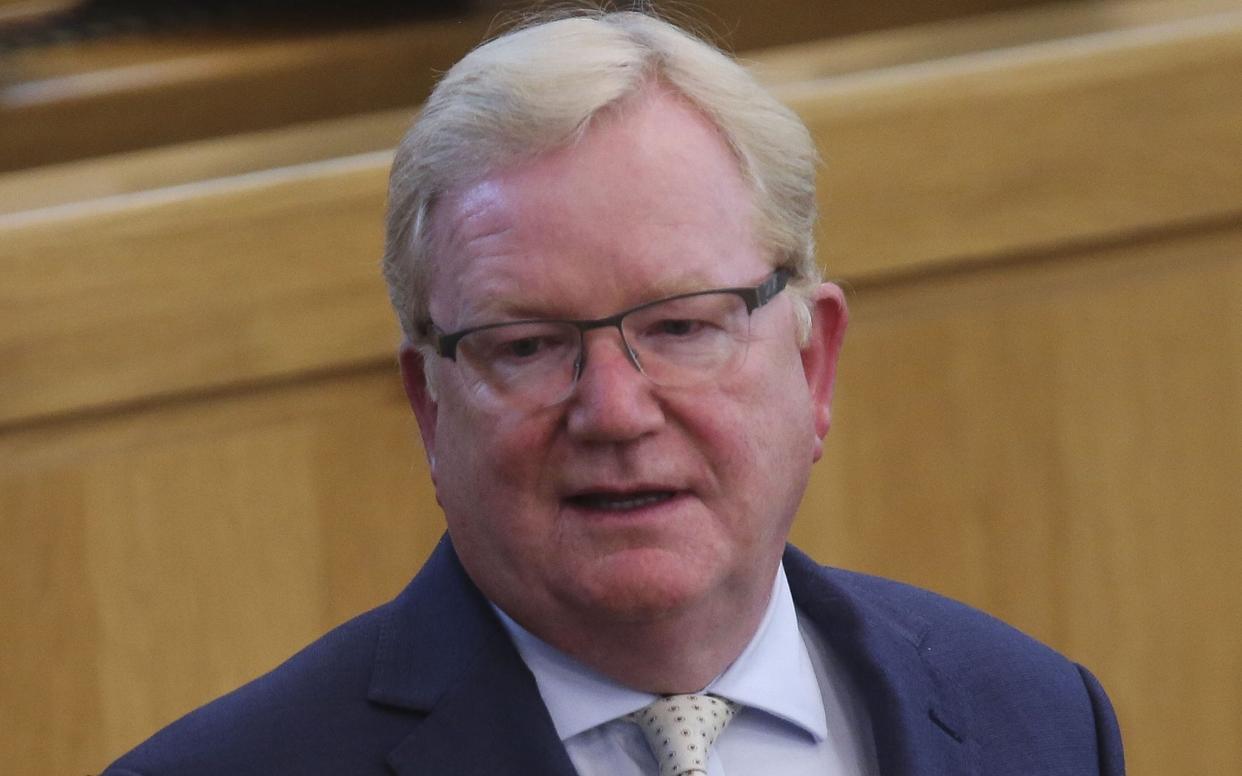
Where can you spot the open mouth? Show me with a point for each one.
(621, 501)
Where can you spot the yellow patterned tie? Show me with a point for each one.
(680, 729)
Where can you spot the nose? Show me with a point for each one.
(613, 401)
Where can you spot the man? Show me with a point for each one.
(621, 358)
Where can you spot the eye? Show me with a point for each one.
(678, 327)
(523, 347)
(527, 344)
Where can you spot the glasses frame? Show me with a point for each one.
(445, 345)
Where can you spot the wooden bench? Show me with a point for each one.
(97, 97)
(205, 460)
(369, 131)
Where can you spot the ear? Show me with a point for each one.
(414, 378)
(829, 318)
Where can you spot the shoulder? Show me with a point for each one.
(962, 642)
(348, 700)
(1009, 690)
(931, 622)
(292, 719)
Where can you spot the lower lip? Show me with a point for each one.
(641, 509)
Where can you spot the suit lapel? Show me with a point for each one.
(918, 720)
(442, 652)
(492, 722)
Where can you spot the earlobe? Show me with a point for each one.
(414, 379)
(829, 318)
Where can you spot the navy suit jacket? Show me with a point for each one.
(431, 684)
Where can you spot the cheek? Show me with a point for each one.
(489, 489)
(488, 460)
(765, 444)
(775, 400)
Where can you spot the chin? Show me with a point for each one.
(643, 585)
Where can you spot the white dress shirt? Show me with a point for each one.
(799, 707)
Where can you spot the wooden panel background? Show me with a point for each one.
(205, 458)
(234, 154)
(1058, 442)
(91, 97)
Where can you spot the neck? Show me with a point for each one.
(678, 652)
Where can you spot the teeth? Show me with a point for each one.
(625, 502)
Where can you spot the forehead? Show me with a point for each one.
(651, 201)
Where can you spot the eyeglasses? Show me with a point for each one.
(678, 341)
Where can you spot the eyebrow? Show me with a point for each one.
(498, 310)
(685, 283)
(491, 310)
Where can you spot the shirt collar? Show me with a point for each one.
(774, 673)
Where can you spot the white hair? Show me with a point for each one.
(537, 88)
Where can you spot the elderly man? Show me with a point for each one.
(621, 357)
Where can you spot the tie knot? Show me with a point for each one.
(680, 728)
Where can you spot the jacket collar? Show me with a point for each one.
(919, 719)
(442, 652)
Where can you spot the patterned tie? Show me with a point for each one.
(680, 729)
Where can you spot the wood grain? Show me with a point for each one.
(243, 152)
(994, 153)
(884, 49)
(171, 553)
(1058, 442)
(983, 157)
(206, 459)
(103, 97)
(221, 157)
(1054, 440)
(193, 289)
(91, 98)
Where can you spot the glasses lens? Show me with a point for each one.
(528, 363)
(690, 339)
